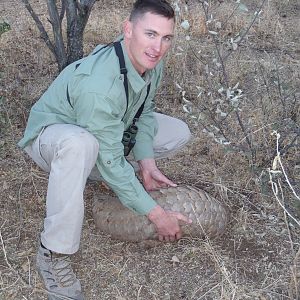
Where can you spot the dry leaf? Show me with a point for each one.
(175, 259)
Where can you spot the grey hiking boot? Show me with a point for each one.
(58, 276)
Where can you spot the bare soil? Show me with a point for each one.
(257, 257)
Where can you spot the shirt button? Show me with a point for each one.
(108, 162)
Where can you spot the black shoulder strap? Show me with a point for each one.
(139, 112)
(123, 70)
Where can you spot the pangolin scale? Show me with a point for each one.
(209, 216)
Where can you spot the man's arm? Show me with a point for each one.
(152, 177)
(102, 117)
(166, 222)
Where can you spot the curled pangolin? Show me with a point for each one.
(209, 216)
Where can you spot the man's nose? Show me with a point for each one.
(157, 45)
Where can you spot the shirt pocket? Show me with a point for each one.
(117, 95)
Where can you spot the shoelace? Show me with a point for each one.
(63, 270)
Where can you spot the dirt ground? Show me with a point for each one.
(257, 258)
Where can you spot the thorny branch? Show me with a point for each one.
(226, 80)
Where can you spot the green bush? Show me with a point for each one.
(4, 27)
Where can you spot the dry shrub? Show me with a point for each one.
(265, 66)
(268, 97)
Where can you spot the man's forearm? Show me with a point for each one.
(147, 164)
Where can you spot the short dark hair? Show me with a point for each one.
(158, 7)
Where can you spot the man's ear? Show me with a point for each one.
(127, 29)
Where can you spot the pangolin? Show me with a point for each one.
(209, 216)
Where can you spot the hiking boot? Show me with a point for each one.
(58, 276)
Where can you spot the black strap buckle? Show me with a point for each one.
(123, 71)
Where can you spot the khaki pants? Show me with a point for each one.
(57, 149)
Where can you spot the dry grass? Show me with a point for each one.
(258, 257)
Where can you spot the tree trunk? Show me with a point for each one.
(77, 14)
(77, 17)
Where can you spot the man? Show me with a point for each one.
(78, 125)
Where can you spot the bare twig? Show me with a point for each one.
(295, 275)
(40, 26)
(285, 218)
(8, 263)
(291, 144)
(245, 134)
(247, 30)
(212, 117)
(201, 59)
(20, 206)
(231, 15)
(4, 252)
(281, 97)
(139, 291)
(266, 85)
(277, 161)
(274, 186)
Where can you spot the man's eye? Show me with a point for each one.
(150, 34)
(167, 39)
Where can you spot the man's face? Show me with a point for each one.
(147, 39)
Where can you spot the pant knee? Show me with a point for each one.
(82, 147)
(172, 135)
(184, 134)
(179, 138)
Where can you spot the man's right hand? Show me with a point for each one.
(167, 223)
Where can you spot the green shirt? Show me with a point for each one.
(98, 104)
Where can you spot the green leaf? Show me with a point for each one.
(4, 27)
(243, 8)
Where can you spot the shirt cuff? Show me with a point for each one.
(145, 206)
(143, 149)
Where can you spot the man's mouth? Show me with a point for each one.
(152, 56)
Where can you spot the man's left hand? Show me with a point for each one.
(152, 177)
